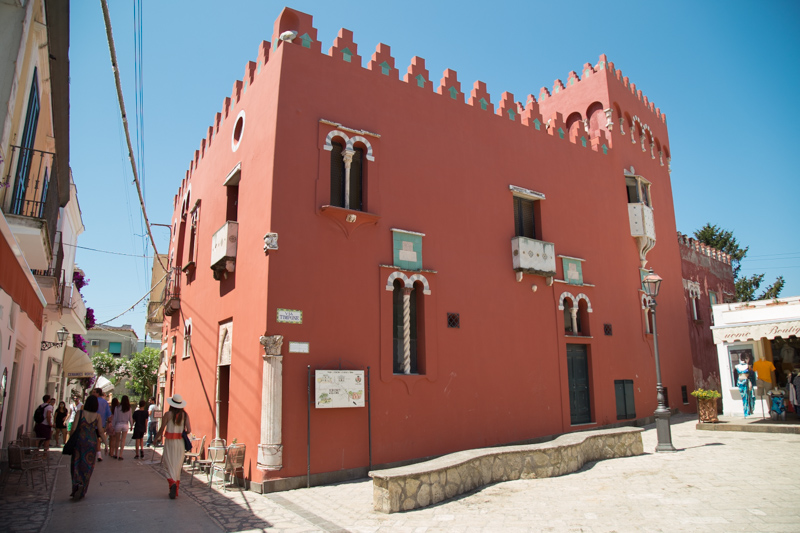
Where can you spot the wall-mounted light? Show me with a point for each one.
(62, 335)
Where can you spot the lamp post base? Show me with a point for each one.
(663, 431)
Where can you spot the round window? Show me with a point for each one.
(238, 131)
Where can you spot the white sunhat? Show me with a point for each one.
(177, 401)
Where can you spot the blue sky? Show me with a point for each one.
(725, 74)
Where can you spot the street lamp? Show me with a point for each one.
(62, 336)
(651, 283)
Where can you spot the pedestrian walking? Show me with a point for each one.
(89, 429)
(76, 406)
(60, 427)
(173, 424)
(152, 423)
(43, 418)
(105, 414)
(112, 434)
(123, 421)
(139, 426)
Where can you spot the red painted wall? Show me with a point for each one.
(712, 270)
(443, 168)
(14, 281)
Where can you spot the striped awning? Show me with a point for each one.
(768, 329)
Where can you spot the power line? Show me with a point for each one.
(115, 68)
(107, 251)
(131, 308)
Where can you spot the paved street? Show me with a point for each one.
(717, 481)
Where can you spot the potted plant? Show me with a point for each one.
(707, 404)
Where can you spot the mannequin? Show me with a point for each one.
(746, 380)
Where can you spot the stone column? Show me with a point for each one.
(574, 318)
(406, 330)
(270, 449)
(348, 161)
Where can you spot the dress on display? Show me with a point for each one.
(746, 381)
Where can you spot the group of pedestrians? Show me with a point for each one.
(95, 423)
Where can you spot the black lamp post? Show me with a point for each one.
(651, 284)
(62, 336)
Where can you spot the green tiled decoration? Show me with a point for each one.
(573, 271)
(407, 250)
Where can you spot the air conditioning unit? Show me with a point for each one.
(95, 343)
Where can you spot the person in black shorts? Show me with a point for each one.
(139, 428)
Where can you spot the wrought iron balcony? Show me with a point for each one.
(172, 293)
(31, 174)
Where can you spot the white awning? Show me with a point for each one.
(768, 329)
(104, 384)
(77, 364)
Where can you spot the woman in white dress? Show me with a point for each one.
(173, 424)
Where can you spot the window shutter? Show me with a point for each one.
(523, 218)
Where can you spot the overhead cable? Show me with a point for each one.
(115, 68)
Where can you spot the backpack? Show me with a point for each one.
(38, 415)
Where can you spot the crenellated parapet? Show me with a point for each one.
(590, 128)
(703, 249)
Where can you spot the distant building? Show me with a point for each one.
(40, 219)
(447, 268)
(118, 341)
(707, 281)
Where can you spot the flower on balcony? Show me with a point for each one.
(90, 319)
(79, 342)
(79, 279)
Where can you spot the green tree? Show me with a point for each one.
(746, 287)
(106, 365)
(142, 369)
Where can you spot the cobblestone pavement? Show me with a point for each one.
(716, 481)
(19, 499)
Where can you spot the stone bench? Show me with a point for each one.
(430, 482)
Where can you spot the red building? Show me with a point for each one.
(475, 260)
(707, 280)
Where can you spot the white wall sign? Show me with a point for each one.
(339, 388)
(298, 347)
(290, 316)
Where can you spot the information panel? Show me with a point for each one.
(339, 388)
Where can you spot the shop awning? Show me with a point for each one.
(104, 384)
(768, 329)
(77, 364)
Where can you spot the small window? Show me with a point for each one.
(626, 407)
(115, 348)
(638, 190)
(685, 394)
(524, 218)
(347, 171)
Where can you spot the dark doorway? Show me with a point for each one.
(578, 370)
(223, 396)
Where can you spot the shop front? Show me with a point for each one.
(759, 338)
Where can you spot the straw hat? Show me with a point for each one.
(177, 401)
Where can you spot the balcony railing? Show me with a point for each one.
(172, 292)
(32, 174)
(641, 219)
(533, 257)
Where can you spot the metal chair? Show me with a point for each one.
(26, 463)
(216, 454)
(194, 455)
(234, 461)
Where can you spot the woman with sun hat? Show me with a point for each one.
(173, 424)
